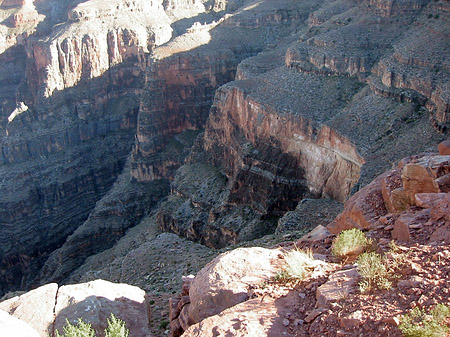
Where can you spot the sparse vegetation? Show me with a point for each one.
(419, 323)
(299, 263)
(116, 328)
(350, 243)
(374, 272)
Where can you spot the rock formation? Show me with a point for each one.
(93, 302)
(101, 103)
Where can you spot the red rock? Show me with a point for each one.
(224, 281)
(428, 200)
(441, 209)
(395, 199)
(184, 319)
(420, 176)
(401, 228)
(442, 234)
(173, 308)
(314, 314)
(318, 233)
(12, 326)
(363, 209)
(255, 317)
(353, 320)
(175, 328)
(444, 148)
(339, 284)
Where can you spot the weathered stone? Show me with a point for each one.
(428, 200)
(95, 301)
(420, 176)
(394, 197)
(34, 307)
(224, 281)
(255, 317)
(339, 284)
(184, 319)
(317, 234)
(12, 326)
(363, 209)
(187, 281)
(173, 308)
(444, 148)
(314, 314)
(355, 319)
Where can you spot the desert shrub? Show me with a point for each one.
(374, 272)
(350, 242)
(82, 329)
(419, 323)
(299, 263)
(115, 328)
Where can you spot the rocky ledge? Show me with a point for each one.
(245, 298)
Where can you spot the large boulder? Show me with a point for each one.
(363, 209)
(226, 280)
(34, 307)
(95, 301)
(12, 326)
(256, 317)
(47, 308)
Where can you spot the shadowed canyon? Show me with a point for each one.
(131, 130)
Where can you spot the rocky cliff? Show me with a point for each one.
(102, 102)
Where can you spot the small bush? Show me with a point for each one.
(374, 272)
(82, 329)
(299, 263)
(420, 324)
(116, 328)
(351, 242)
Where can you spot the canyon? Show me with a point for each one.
(124, 123)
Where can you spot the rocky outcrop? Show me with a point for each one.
(93, 302)
(214, 289)
(403, 200)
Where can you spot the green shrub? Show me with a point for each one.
(116, 328)
(350, 243)
(82, 329)
(418, 323)
(374, 272)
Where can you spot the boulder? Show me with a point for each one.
(426, 175)
(225, 281)
(444, 148)
(406, 221)
(24, 307)
(95, 301)
(395, 198)
(428, 200)
(256, 317)
(317, 234)
(12, 326)
(363, 209)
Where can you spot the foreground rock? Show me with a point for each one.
(47, 308)
(12, 326)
